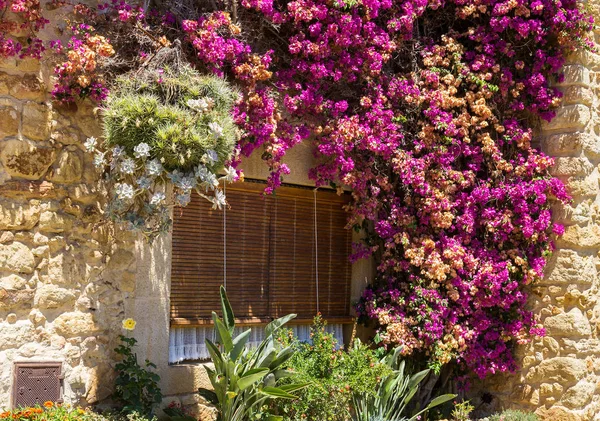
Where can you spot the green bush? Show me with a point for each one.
(333, 376)
(173, 115)
(512, 415)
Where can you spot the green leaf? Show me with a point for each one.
(277, 323)
(228, 316)
(274, 418)
(276, 392)
(251, 377)
(209, 395)
(239, 343)
(294, 386)
(224, 334)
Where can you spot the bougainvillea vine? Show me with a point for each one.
(421, 108)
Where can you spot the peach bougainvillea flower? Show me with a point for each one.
(129, 324)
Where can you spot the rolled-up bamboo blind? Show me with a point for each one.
(271, 264)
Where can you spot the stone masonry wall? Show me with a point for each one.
(63, 281)
(560, 375)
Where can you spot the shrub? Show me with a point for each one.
(136, 386)
(512, 415)
(333, 376)
(161, 125)
(244, 380)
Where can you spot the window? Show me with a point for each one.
(266, 251)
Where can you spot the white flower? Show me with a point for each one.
(144, 182)
(210, 157)
(183, 199)
(211, 181)
(117, 151)
(157, 198)
(99, 160)
(230, 174)
(142, 150)
(199, 105)
(216, 129)
(90, 144)
(128, 166)
(124, 191)
(218, 200)
(154, 168)
(201, 172)
(186, 183)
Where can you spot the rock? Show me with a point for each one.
(16, 333)
(36, 121)
(556, 413)
(55, 222)
(578, 95)
(569, 117)
(75, 324)
(52, 296)
(563, 370)
(18, 214)
(28, 87)
(575, 74)
(68, 168)
(579, 237)
(36, 317)
(12, 300)
(578, 396)
(570, 324)
(25, 160)
(16, 257)
(571, 167)
(9, 116)
(13, 281)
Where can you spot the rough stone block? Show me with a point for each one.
(16, 257)
(68, 168)
(570, 324)
(578, 95)
(26, 160)
(15, 335)
(36, 121)
(563, 370)
(9, 121)
(55, 222)
(28, 87)
(13, 300)
(564, 143)
(75, 324)
(569, 117)
(571, 166)
(575, 74)
(569, 267)
(52, 296)
(577, 237)
(578, 396)
(18, 215)
(582, 186)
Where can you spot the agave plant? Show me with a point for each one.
(244, 380)
(393, 395)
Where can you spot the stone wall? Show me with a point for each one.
(560, 375)
(64, 280)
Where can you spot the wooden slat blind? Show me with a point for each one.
(271, 262)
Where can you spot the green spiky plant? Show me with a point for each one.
(155, 109)
(244, 380)
(393, 395)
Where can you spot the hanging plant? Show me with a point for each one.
(164, 125)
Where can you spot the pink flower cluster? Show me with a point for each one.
(19, 22)
(419, 106)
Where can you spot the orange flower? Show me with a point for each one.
(48, 404)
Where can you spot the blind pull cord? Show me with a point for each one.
(225, 237)
(316, 249)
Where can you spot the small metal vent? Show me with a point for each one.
(36, 383)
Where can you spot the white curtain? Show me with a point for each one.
(187, 343)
